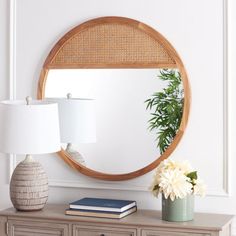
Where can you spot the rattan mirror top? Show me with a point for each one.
(111, 42)
(115, 42)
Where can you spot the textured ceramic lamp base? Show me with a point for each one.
(179, 209)
(29, 186)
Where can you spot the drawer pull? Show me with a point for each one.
(102, 234)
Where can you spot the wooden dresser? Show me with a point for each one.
(52, 221)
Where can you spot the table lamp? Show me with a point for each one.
(77, 123)
(30, 127)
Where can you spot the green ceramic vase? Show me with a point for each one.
(179, 209)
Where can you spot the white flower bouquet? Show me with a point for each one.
(175, 179)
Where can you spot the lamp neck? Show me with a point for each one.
(28, 100)
(69, 146)
(69, 95)
(28, 158)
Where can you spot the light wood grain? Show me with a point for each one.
(88, 230)
(53, 221)
(30, 228)
(171, 233)
(3, 221)
(116, 42)
(142, 218)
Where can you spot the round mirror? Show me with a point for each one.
(125, 79)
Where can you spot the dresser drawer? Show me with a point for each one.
(172, 233)
(90, 230)
(36, 228)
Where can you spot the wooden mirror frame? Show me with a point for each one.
(115, 42)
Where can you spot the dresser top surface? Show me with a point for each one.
(148, 218)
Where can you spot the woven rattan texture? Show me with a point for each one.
(111, 44)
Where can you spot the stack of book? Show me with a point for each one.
(100, 207)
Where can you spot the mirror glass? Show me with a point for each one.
(124, 142)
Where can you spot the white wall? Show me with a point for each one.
(195, 30)
(4, 88)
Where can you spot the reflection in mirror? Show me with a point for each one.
(77, 123)
(166, 109)
(123, 118)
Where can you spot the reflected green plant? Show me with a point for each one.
(166, 108)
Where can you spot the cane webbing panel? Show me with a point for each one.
(110, 44)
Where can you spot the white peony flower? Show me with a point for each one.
(174, 184)
(155, 187)
(184, 166)
(169, 164)
(199, 187)
(170, 179)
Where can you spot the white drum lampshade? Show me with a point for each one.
(77, 123)
(30, 127)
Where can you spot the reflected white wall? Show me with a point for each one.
(124, 143)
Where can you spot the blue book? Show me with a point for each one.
(101, 214)
(101, 204)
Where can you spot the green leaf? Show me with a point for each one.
(155, 187)
(192, 175)
(166, 108)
